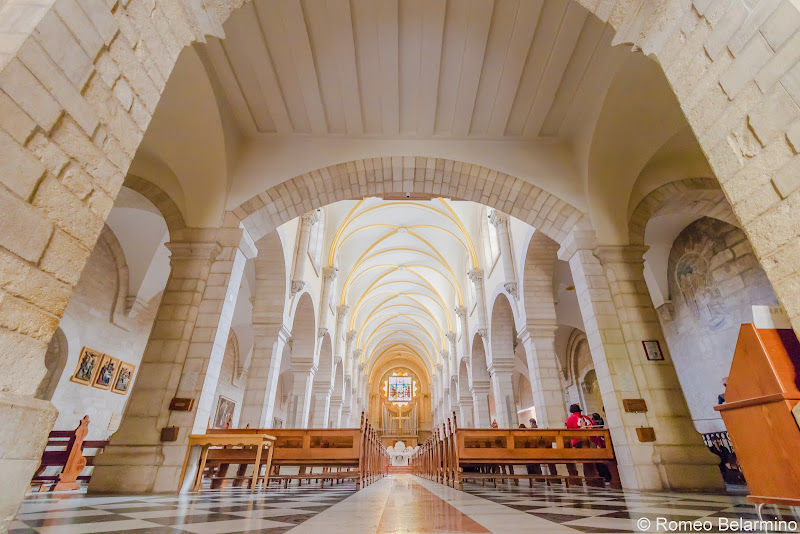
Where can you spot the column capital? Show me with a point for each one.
(500, 367)
(329, 273)
(357, 355)
(350, 336)
(342, 310)
(511, 289)
(190, 250)
(443, 354)
(461, 312)
(476, 276)
(538, 331)
(311, 218)
(297, 286)
(575, 241)
(498, 218)
(621, 254)
(451, 337)
(322, 332)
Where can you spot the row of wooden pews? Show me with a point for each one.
(324, 455)
(72, 453)
(455, 454)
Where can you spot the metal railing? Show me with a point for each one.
(720, 444)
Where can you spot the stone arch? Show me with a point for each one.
(503, 334)
(702, 197)
(463, 381)
(479, 370)
(537, 280)
(271, 281)
(54, 361)
(579, 362)
(302, 360)
(120, 308)
(161, 200)
(389, 177)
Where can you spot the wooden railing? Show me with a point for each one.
(69, 450)
(455, 454)
(341, 454)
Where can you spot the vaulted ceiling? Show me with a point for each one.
(401, 268)
(499, 69)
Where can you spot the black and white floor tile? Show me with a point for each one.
(229, 510)
(594, 510)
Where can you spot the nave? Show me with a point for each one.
(399, 503)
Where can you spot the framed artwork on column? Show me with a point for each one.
(123, 379)
(652, 349)
(88, 364)
(106, 372)
(223, 418)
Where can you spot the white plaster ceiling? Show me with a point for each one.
(500, 69)
(401, 272)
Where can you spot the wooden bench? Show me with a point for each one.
(240, 448)
(355, 454)
(69, 450)
(453, 455)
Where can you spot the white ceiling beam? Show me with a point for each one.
(409, 49)
(364, 15)
(455, 34)
(233, 91)
(297, 34)
(433, 13)
(518, 50)
(262, 67)
(389, 57)
(341, 21)
(563, 48)
(480, 18)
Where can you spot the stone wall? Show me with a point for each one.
(230, 383)
(714, 279)
(87, 323)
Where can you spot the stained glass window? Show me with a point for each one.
(400, 389)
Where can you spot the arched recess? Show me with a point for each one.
(54, 361)
(323, 384)
(503, 334)
(303, 354)
(337, 396)
(120, 308)
(537, 280)
(271, 281)
(161, 200)
(579, 363)
(389, 177)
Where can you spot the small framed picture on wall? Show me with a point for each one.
(123, 379)
(652, 349)
(106, 372)
(88, 364)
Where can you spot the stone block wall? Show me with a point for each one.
(714, 279)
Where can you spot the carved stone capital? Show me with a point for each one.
(498, 219)
(329, 273)
(483, 333)
(451, 337)
(322, 332)
(666, 311)
(311, 218)
(297, 286)
(476, 276)
(511, 289)
(461, 312)
(342, 310)
(357, 355)
(350, 336)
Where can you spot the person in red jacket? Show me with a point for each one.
(577, 420)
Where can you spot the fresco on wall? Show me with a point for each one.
(702, 296)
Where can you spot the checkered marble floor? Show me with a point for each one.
(603, 510)
(229, 510)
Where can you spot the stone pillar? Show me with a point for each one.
(182, 359)
(350, 365)
(503, 389)
(298, 276)
(476, 276)
(461, 313)
(328, 277)
(347, 404)
(451, 345)
(322, 404)
(500, 221)
(335, 411)
(466, 414)
(338, 334)
(618, 315)
(300, 399)
(480, 401)
(261, 388)
(543, 373)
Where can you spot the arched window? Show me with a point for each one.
(315, 242)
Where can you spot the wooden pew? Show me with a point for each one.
(355, 454)
(239, 448)
(453, 455)
(69, 450)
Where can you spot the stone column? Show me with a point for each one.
(461, 313)
(350, 365)
(322, 404)
(503, 394)
(182, 359)
(347, 404)
(480, 401)
(328, 277)
(335, 411)
(618, 315)
(548, 397)
(466, 415)
(300, 399)
(500, 221)
(339, 333)
(476, 276)
(258, 406)
(298, 276)
(451, 345)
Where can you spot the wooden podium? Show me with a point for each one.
(763, 387)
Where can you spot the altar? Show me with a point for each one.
(399, 454)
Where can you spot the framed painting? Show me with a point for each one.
(652, 349)
(123, 379)
(106, 372)
(88, 364)
(223, 418)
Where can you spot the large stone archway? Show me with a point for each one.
(71, 128)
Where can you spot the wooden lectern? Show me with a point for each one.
(763, 388)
